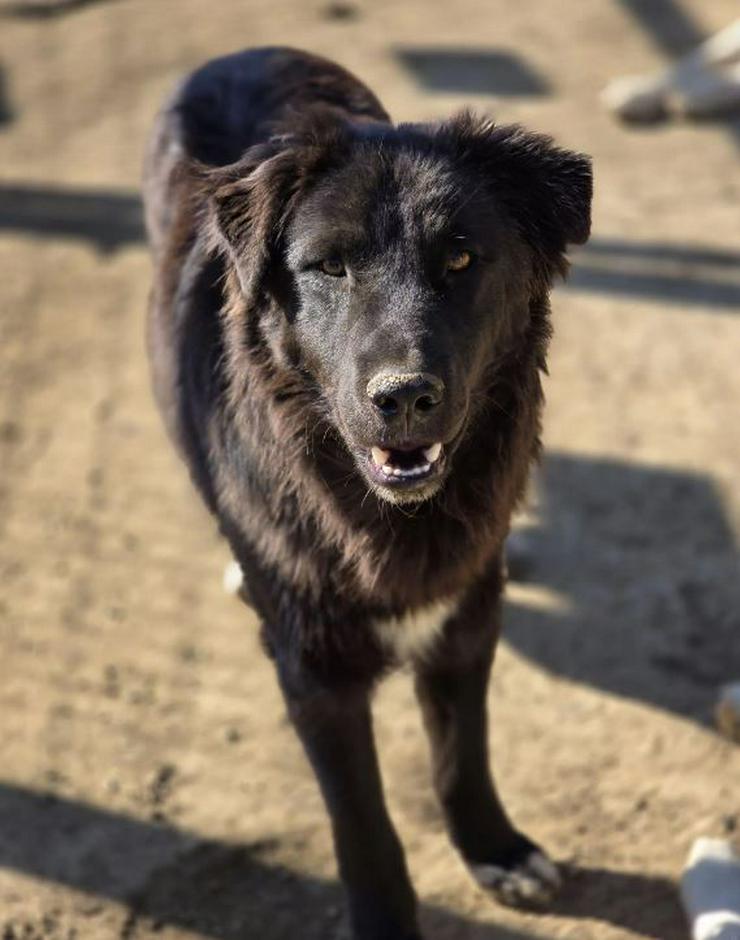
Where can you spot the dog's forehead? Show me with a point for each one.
(384, 191)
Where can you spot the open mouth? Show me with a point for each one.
(405, 468)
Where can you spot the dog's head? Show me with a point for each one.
(395, 267)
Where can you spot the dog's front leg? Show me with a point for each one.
(451, 686)
(335, 726)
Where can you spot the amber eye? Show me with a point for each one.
(333, 267)
(459, 260)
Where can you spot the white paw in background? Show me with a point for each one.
(710, 890)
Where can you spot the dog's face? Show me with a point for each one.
(403, 273)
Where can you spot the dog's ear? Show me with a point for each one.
(547, 190)
(248, 203)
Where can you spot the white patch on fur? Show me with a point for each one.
(411, 636)
(233, 578)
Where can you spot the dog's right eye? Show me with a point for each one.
(459, 261)
(333, 267)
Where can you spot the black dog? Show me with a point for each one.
(348, 324)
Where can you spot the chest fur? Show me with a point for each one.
(414, 635)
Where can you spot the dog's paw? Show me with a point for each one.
(531, 882)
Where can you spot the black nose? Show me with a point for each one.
(410, 394)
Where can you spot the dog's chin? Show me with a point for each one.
(407, 497)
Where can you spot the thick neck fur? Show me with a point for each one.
(323, 531)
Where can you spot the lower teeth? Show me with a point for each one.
(411, 472)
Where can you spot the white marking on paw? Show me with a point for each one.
(536, 880)
(541, 865)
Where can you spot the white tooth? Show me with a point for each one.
(433, 452)
(380, 456)
(387, 469)
(397, 471)
(416, 471)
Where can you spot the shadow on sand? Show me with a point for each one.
(683, 275)
(647, 567)
(230, 892)
(471, 71)
(106, 219)
(7, 113)
(43, 9)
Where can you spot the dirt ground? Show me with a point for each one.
(150, 785)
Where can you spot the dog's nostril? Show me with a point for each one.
(425, 403)
(386, 404)
(410, 393)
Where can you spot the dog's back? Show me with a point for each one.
(234, 102)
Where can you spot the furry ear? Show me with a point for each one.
(245, 204)
(546, 189)
(248, 203)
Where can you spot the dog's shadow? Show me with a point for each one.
(647, 905)
(167, 877)
(642, 566)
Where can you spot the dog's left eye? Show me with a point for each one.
(333, 267)
(459, 260)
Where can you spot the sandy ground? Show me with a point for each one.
(149, 782)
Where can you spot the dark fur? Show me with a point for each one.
(271, 425)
